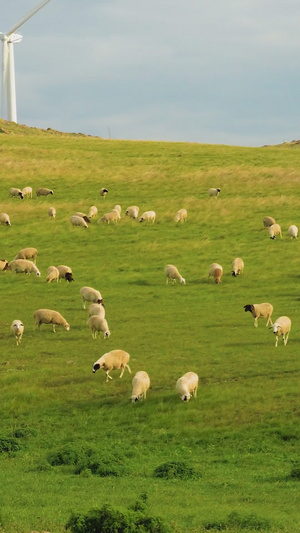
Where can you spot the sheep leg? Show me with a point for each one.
(255, 322)
(83, 304)
(285, 338)
(108, 376)
(53, 328)
(269, 320)
(276, 341)
(127, 366)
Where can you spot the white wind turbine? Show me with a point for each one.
(9, 105)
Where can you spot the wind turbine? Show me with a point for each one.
(9, 105)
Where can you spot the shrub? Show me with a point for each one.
(24, 431)
(175, 469)
(9, 444)
(65, 456)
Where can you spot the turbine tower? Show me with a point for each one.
(9, 105)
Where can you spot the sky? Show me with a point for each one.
(204, 71)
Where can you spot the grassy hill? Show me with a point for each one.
(71, 442)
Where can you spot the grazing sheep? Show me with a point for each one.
(93, 212)
(172, 273)
(187, 386)
(149, 216)
(237, 266)
(214, 192)
(97, 309)
(3, 264)
(17, 329)
(88, 294)
(117, 208)
(274, 230)
(98, 324)
(4, 219)
(20, 266)
(43, 191)
(113, 361)
(140, 385)
(52, 274)
(52, 212)
(27, 253)
(293, 231)
(78, 221)
(268, 221)
(27, 192)
(132, 212)
(112, 216)
(282, 327)
(82, 215)
(216, 271)
(16, 193)
(263, 310)
(181, 215)
(103, 192)
(48, 316)
(65, 273)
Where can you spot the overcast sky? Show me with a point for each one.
(206, 71)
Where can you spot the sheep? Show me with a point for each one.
(88, 294)
(187, 386)
(216, 271)
(93, 212)
(263, 310)
(180, 215)
(98, 324)
(103, 192)
(237, 266)
(113, 361)
(20, 266)
(78, 221)
(293, 231)
(4, 219)
(27, 191)
(97, 309)
(17, 329)
(282, 326)
(27, 253)
(274, 230)
(52, 274)
(148, 215)
(140, 385)
(52, 212)
(16, 193)
(65, 273)
(172, 273)
(3, 264)
(82, 215)
(214, 192)
(112, 216)
(132, 212)
(268, 221)
(48, 316)
(117, 208)
(43, 191)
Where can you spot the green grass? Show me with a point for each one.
(241, 435)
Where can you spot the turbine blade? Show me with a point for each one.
(26, 17)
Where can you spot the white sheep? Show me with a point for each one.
(140, 385)
(113, 361)
(52, 274)
(93, 212)
(103, 192)
(20, 266)
(214, 192)
(4, 219)
(88, 294)
(149, 216)
(3, 264)
(65, 272)
(263, 310)
(117, 208)
(237, 266)
(48, 316)
(282, 327)
(132, 212)
(27, 192)
(98, 325)
(180, 215)
(82, 215)
(187, 386)
(112, 216)
(293, 231)
(16, 193)
(43, 191)
(78, 221)
(52, 212)
(274, 230)
(172, 273)
(27, 253)
(97, 309)
(268, 221)
(17, 329)
(216, 271)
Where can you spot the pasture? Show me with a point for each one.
(241, 435)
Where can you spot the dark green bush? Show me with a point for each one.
(9, 444)
(175, 469)
(65, 456)
(24, 431)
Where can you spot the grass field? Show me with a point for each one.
(241, 435)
